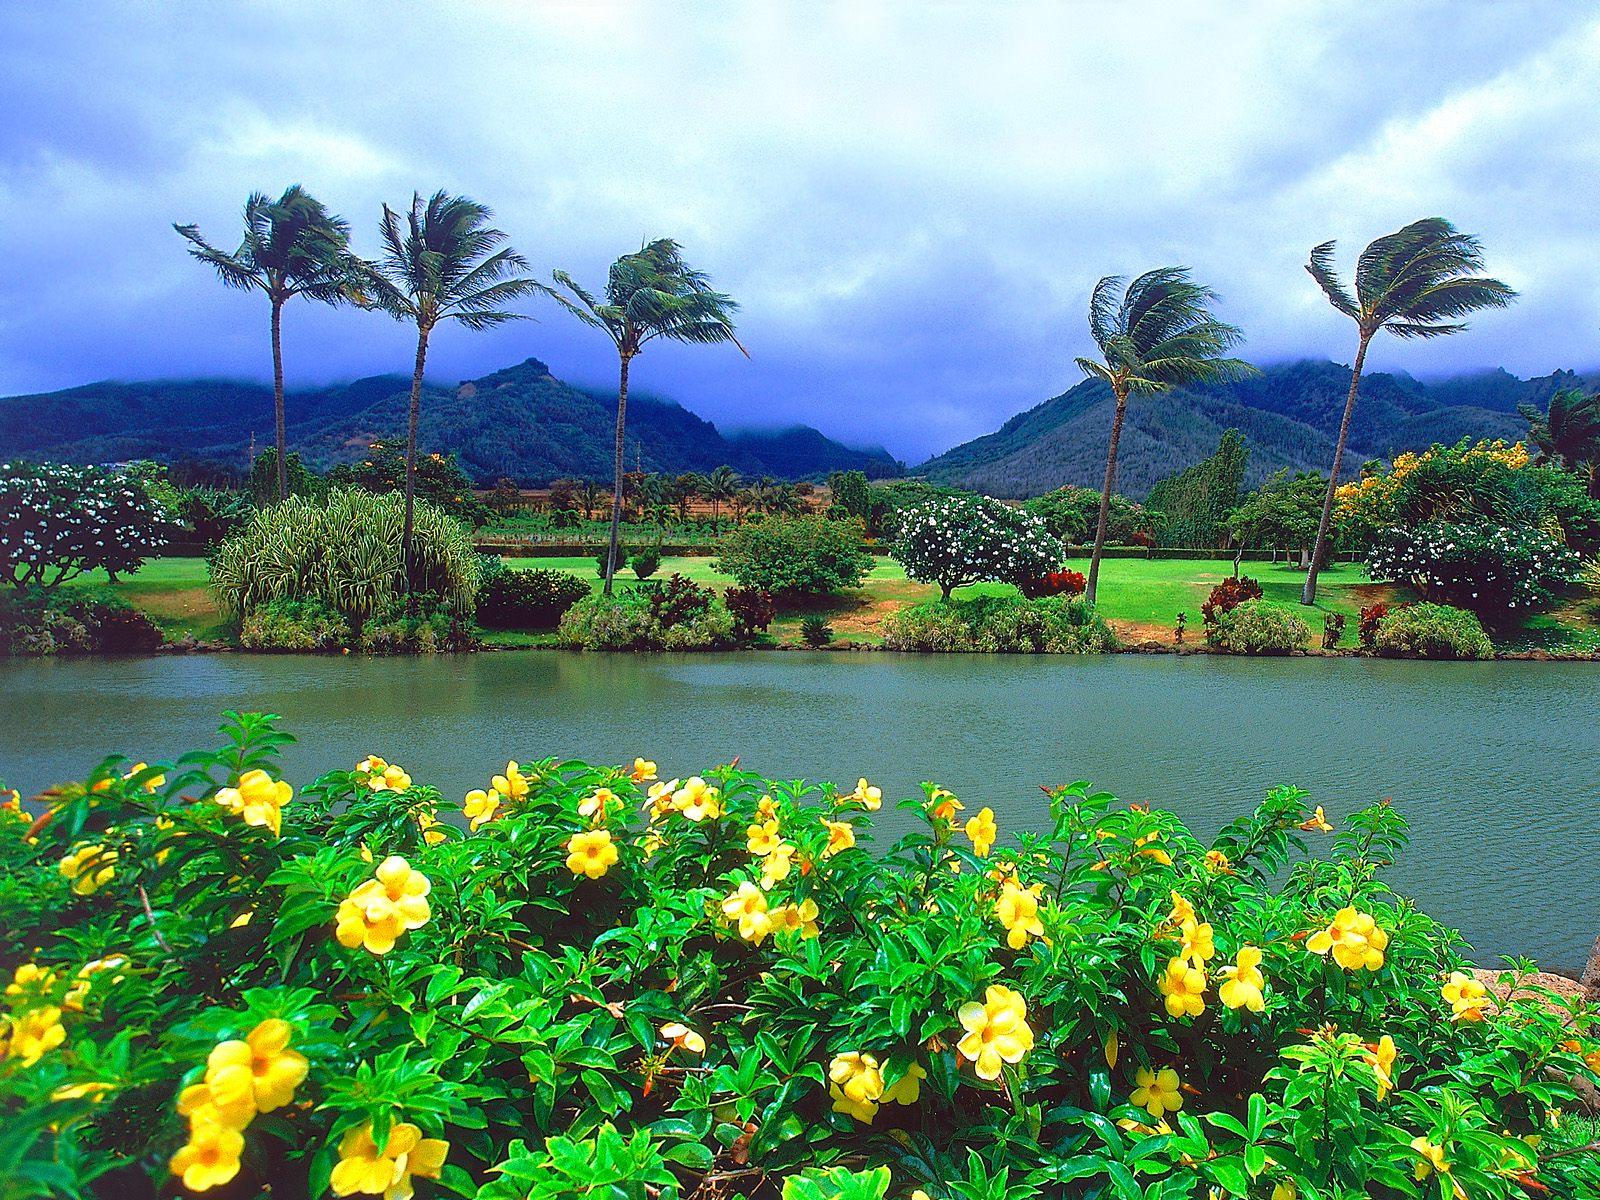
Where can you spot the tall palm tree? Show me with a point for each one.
(442, 261)
(721, 485)
(1569, 433)
(292, 246)
(650, 294)
(589, 492)
(1157, 332)
(1415, 283)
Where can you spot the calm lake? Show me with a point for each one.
(1497, 765)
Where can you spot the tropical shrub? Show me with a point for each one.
(1431, 631)
(515, 598)
(419, 623)
(212, 515)
(1370, 617)
(752, 610)
(440, 479)
(114, 626)
(1000, 624)
(1496, 571)
(262, 482)
(1070, 513)
(587, 983)
(1332, 630)
(1258, 627)
(343, 549)
(1226, 596)
(815, 632)
(297, 626)
(674, 614)
(1054, 583)
(796, 556)
(646, 562)
(39, 623)
(956, 540)
(58, 522)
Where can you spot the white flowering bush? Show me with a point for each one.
(1494, 571)
(954, 541)
(58, 521)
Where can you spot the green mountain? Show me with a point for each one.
(519, 422)
(1289, 415)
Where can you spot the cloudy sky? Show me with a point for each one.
(910, 201)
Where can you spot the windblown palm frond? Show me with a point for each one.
(1159, 333)
(292, 246)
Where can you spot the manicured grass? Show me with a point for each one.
(176, 592)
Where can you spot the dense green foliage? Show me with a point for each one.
(1000, 625)
(796, 556)
(1281, 514)
(35, 623)
(1258, 627)
(1070, 512)
(956, 540)
(440, 479)
(58, 522)
(527, 599)
(1192, 506)
(611, 987)
(671, 614)
(344, 550)
(294, 626)
(1431, 631)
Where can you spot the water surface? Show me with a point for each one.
(1495, 764)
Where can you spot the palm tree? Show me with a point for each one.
(1157, 333)
(1414, 282)
(721, 485)
(589, 492)
(650, 294)
(1569, 433)
(441, 263)
(292, 247)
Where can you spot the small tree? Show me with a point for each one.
(1281, 514)
(797, 556)
(440, 479)
(958, 540)
(58, 522)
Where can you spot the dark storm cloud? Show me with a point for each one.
(911, 202)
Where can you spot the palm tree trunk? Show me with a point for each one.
(1594, 481)
(1105, 498)
(411, 460)
(282, 440)
(1308, 594)
(616, 479)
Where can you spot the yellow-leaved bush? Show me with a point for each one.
(582, 979)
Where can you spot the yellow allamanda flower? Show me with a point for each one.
(1242, 981)
(869, 797)
(1018, 910)
(1354, 940)
(642, 771)
(762, 839)
(432, 834)
(392, 778)
(149, 785)
(1466, 996)
(855, 1083)
(698, 800)
(997, 1031)
(210, 1158)
(796, 918)
(513, 785)
(841, 836)
(592, 853)
(89, 868)
(598, 803)
(384, 907)
(747, 906)
(1381, 1057)
(363, 1168)
(31, 977)
(906, 1090)
(776, 866)
(659, 802)
(1431, 1158)
(1199, 947)
(767, 809)
(1184, 987)
(84, 979)
(943, 805)
(92, 1089)
(34, 1033)
(1182, 912)
(371, 765)
(479, 807)
(258, 798)
(680, 1035)
(982, 831)
(1218, 863)
(1156, 1091)
(1145, 847)
(260, 1070)
(1316, 823)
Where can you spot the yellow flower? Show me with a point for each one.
(591, 854)
(31, 977)
(855, 1083)
(1243, 981)
(149, 785)
(261, 1068)
(1381, 1059)
(242, 919)
(1354, 938)
(943, 805)
(371, 765)
(513, 785)
(1145, 848)
(201, 1106)
(841, 836)
(1284, 1189)
(1433, 1158)
(90, 1090)
(1198, 946)
(363, 1168)
(382, 908)
(1218, 863)
(79, 991)
(1156, 1091)
(761, 840)
(479, 807)
(997, 1030)
(679, 1034)
(907, 1089)
(982, 830)
(698, 800)
(767, 809)
(659, 803)
(642, 771)
(258, 798)
(1466, 996)
(1182, 912)
(1018, 910)
(1184, 986)
(210, 1158)
(796, 918)
(35, 1032)
(89, 868)
(748, 907)
(776, 866)
(390, 779)
(869, 797)
(426, 821)
(595, 806)
(1316, 822)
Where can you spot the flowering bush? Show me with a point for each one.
(955, 540)
(1054, 583)
(1431, 631)
(594, 982)
(1496, 571)
(1371, 616)
(59, 521)
(1227, 595)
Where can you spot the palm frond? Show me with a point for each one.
(1321, 269)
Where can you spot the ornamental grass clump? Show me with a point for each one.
(582, 980)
